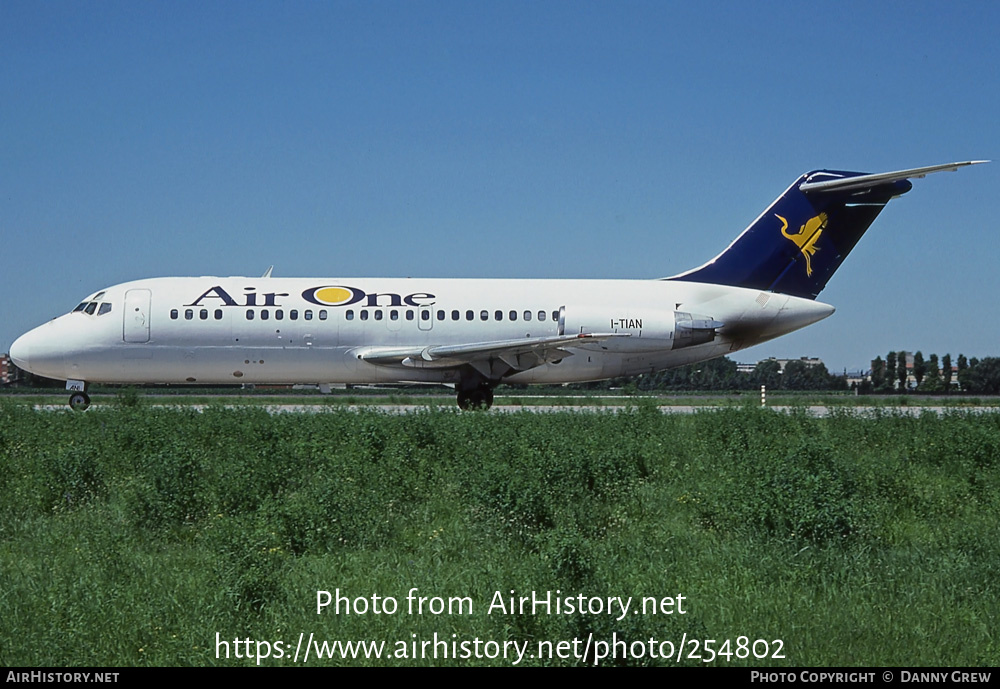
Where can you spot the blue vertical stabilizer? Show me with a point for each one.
(797, 244)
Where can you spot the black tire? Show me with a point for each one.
(480, 398)
(79, 401)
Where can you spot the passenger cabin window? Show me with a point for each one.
(249, 314)
(188, 314)
(394, 315)
(469, 315)
(293, 315)
(425, 315)
(513, 315)
(541, 315)
(364, 314)
(349, 315)
(527, 315)
(498, 315)
(322, 314)
(265, 314)
(279, 314)
(441, 315)
(173, 314)
(218, 314)
(378, 314)
(555, 315)
(454, 315)
(409, 314)
(484, 315)
(308, 315)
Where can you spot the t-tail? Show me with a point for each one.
(797, 244)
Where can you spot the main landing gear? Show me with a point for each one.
(478, 396)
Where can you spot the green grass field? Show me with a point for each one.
(132, 535)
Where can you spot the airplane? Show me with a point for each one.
(469, 333)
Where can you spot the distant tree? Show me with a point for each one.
(878, 373)
(919, 368)
(983, 377)
(834, 382)
(799, 375)
(901, 371)
(716, 374)
(32, 381)
(767, 372)
(795, 376)
(946, 372)
(932, 378)
(890, 367)
(963, 366)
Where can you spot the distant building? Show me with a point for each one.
(856, 378)
(808, 361)
(9, 373)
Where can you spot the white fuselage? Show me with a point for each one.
(211, 330)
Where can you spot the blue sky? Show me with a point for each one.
(510, 139)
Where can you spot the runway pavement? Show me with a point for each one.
(818, 411)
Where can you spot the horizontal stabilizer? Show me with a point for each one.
(869, 181)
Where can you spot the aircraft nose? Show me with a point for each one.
(19, 352)
(38, 352)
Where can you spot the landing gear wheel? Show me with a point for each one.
(79, 401)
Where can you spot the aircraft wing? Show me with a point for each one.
(518, 355)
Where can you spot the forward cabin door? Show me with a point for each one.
(137, 315)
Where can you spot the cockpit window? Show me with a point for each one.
(90, 306)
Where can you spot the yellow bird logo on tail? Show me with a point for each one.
(806, 237)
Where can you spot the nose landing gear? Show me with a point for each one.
(79, 400)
